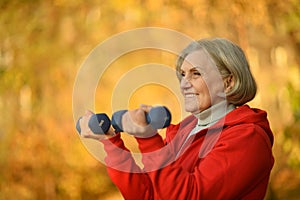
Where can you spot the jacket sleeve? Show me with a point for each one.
(240, 161)
(124, 172)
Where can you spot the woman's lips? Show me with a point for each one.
(190, 95)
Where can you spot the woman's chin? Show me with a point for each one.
(191, 109)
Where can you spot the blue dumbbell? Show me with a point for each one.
(98, 123)
(158, 117)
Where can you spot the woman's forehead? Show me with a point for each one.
(197, 59)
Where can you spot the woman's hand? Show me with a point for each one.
(134, 122)
(86, 131)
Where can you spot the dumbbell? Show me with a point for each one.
(158, 117)
(98, 123)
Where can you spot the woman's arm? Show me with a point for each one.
(132, 182)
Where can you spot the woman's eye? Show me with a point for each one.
(196, 74)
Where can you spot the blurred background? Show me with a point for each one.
(44, 42)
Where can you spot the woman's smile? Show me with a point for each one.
(190, 95)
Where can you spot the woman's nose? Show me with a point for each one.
(184, 83)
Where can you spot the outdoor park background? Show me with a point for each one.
(44, 42)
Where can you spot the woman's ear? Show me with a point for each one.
(229, 83)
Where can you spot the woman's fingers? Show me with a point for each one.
(145, 108)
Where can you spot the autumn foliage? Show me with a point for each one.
(44, 42)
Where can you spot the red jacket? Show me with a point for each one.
(231, 160)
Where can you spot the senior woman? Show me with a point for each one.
(223, 150)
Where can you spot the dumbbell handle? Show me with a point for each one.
(158, 117)
(98, 123)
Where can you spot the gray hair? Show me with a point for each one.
(230, 61)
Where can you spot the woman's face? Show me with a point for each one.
(201, 83)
